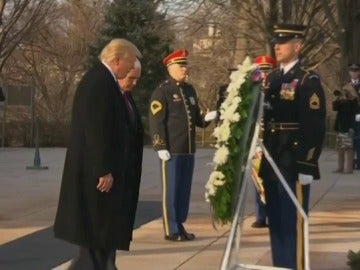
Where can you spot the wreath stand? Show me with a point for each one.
(231, 258)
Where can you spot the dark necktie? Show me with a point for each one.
(127, 97)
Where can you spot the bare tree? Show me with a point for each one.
(19, 19)
(51, 60)
(344, 17)
(244, 27)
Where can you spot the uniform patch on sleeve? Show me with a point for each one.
(156, 107)
(314, 102)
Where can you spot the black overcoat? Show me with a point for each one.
(99, 144)
(134, 155)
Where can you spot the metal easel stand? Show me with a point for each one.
(231, 258)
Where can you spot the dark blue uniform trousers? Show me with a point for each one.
(285, 223)
(176, 175)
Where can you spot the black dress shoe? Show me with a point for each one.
(188, 236)
(259, 224)
(176, 237)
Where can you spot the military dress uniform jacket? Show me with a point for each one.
(345, 106)
(294, 122)
(174, 113)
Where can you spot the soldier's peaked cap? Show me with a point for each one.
(176, 57)
(265, 62)
(284, 32)
(354, 67)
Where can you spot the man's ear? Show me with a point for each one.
(298, 45)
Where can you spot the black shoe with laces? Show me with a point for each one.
(188, 236)
(176, 237)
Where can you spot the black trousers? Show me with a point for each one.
(94, 259)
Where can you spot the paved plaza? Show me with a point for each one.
(28, 200)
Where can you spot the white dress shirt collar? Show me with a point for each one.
(289, 66)
(355, 82)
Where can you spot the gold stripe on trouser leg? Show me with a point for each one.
(164, 198)
(300, 230)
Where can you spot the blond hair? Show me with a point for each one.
(118, 48)
(137, 64)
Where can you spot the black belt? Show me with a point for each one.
(277, 126)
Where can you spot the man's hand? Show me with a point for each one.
(210, 116)
(164, 155)
(105, 183)
(305, 179)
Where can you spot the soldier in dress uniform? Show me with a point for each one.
(352, 89)
(346, 106)
(265, 64)
(174, 114)
(294, 129)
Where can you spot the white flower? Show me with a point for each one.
(207, 197)
(246, 66)
(219, 182)
(216, 175)
(224, 132)
(237, 82)
(221, 155)
(234, 118)
(216, 179)
(236, 100)
(229, 112)
(230, 116)
(212, 191)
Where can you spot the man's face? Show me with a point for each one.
(124, 65)
(354, 75)
(287, 52)
(264, 73)
(130, 80)
(178, 72)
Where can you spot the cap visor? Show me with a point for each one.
(280, 40)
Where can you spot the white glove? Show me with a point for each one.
(305, 179)
(210, 116)
(164, 155)
(357, 117)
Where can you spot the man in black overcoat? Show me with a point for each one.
(95, 209)
(135, 142)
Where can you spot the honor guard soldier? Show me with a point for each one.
(346, 106)
(265, 64)
(174, 114)
(294, 129)
(352, 90)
